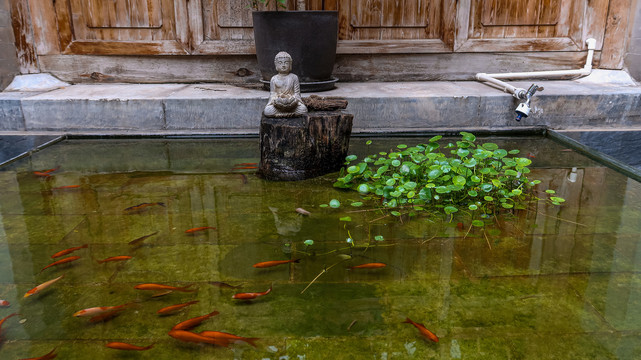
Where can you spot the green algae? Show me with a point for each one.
(546, 283)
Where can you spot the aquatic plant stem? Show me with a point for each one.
(321, 273)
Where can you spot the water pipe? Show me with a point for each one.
(520, 93)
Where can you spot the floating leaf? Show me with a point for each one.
(450, 209)
(351, 157)
(395, 213)
(346, 218)
(401, 146)
(357, 204)
(549, 191)
(557, 199)
(478, 223)
(308, 242)
(473, 207)
(323, 205)
(334, 203)
(379, 238)
(368, 142)
(363, 188)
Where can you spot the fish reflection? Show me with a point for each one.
(143, 206)
(139, 240)
(221, 284)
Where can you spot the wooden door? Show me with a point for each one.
(122, 27)
(529, 25)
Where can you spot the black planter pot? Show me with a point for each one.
(310, 37)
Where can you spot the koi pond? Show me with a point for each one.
(141, 218)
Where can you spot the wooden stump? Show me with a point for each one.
(304, 147)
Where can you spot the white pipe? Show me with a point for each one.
(519, 93)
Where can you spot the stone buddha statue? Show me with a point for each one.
(284, 91)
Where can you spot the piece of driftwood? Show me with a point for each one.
(319, 103)
(304, 147)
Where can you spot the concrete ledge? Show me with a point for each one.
(377, 107)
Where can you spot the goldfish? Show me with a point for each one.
(161, 287)
(106, 316)
(173, 308)
(42, 286)
(4, 303)
(114, 258)
(228, 337)
(65, 187)
(50, 355)
(250, 296)
(100, 310)
(274, 263)
(144, 205)
(68, 251)
(224, 285)
(196, 229)
(193, 322)
(244, 168)
(369, 266)
(142, 238)
(189, 336)
(421, 328)
(303, 211)
(41, 173)
(62, 261)
(6, 318)
(48, 171)
(124, 346)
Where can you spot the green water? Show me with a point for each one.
(548, 283)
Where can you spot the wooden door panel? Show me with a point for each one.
(121, 13)
(528, 25)
(122, 27)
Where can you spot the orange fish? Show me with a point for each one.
(65, 187)
(196, 229)
(274, 263)
(246, 164)
(61, 261)
(114, 258)
(68, 251)
(48, 170)
(189, 336)
(41, 173)
(250, 296)
(193, 322)
(174, 308)
(142, 238)
(106, 316)
(6, 318)
(42, 286)
(4, 303)
(125, 346)
(144, 205)
(369, 266)
(421, 328)
(100, 310)
(229, 337)
(161, 287)
(244, 168)
(48, 356)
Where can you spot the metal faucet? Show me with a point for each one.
(523, 110)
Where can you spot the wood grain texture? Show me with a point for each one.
(23, 34)
(360, 67)
(45, 31)
(616, 34)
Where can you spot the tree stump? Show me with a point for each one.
(304, 147)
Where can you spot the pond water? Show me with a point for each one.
(546, 283)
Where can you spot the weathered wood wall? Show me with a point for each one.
(212, 40)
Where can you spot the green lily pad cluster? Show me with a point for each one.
(481, 179)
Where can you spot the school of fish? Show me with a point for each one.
(182, 331)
